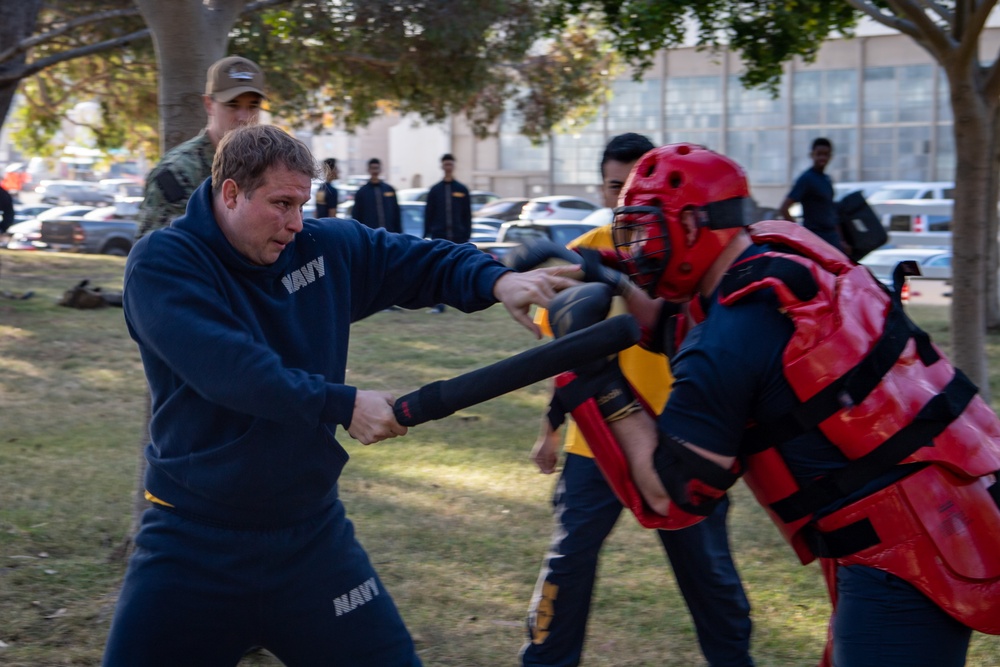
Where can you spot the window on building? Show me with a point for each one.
(825, 97)
(757, 137)
(636, 106)
(694, 103)
(578, 156)
(517, 153)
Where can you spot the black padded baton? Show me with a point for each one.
(437, 400)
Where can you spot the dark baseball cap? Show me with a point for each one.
(232, 76)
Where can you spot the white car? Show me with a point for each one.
(557, 207)
(934, 263)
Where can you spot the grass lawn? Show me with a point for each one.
(454, 515)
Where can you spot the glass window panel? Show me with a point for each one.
(916, 94)
(755, 107)
(913, 153)
(945, 162)
(708, 138)
(635, 106)
(840, 97)
(694, 103)
(880, 95)
(577, 158)
(761, 153)
(806, 96)
(877, 154)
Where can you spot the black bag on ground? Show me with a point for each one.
(860, 226)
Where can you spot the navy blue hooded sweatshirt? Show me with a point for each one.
(246, 364)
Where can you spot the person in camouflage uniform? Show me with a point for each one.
(233, 95)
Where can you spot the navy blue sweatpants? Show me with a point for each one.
(586, 510)
(882, 621)
(197, 594)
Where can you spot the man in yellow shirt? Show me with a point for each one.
(586, 510)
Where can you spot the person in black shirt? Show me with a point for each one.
(375, 203)
(814, 190)
(7, 209)
(449, 210)
(326, 194)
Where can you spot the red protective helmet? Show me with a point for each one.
(659, 253)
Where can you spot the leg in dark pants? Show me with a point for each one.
(708, 580)
(586, 510)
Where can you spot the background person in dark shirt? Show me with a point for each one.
(326, 194)
(375, 203)
(7, 210)
(814, 190)
(449, 210)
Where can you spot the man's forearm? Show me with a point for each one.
(637, 437)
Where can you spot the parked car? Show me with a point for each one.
(411, 212)
(23, 213)
(24, 235)
(557, 207)
(910, 190)
(102, 233)
(516, 232)
(504, 209)
(73, 192)
(918, 215)
(934, 263)
(122, 188)
(27, 235)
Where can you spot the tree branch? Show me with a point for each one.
(925, 31)
(38, 65)
(968, 46)
(41, 38)
(945, 13)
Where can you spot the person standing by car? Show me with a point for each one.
(326, 194)
(7, 208)
(448, 214)
(375, 202)
(814, 190)
(586, 510)
(241, 310)
(234, 92)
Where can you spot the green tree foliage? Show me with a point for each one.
(767, 33)
(334, 63)
(435, 58)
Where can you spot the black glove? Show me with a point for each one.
(543, 252)
(575, 309)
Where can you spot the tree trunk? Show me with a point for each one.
(992, 295)
(974, 118)
(17, 23)
(188, 35)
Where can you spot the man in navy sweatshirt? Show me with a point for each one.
(241, 310)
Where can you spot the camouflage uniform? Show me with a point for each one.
(170, 184)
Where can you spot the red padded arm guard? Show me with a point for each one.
(612, 463)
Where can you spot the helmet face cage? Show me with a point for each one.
(643, 243)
